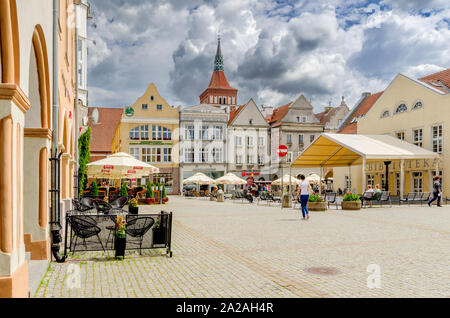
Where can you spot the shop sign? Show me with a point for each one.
(108, 167)
(418, 164)
(245, 174)
(152, 142)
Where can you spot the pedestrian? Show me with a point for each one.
(303, 191)
(369, 194)
(437, 192)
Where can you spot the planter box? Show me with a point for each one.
(317, 206)
(351, 205)
(120, 244)
(133, 209)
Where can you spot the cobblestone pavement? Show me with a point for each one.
(245, 250)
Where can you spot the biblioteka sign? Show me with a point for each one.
(422, 164)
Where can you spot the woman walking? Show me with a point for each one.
(303, 192)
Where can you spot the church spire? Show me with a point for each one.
(218, 60)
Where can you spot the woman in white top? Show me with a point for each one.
(303, 192)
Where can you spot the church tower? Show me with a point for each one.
(219, 92)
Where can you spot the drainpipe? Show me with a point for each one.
(77, 128)
(55, 225)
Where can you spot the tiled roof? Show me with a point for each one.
(278, 115)
(362, 109)
(443, 77)
(102, 133)
(234, 112)
(219, 80)
(324, 117)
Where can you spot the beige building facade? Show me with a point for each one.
(149, 131)
(26, 131)
(416, 111)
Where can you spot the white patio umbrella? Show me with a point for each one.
(230, 178)
(286, 180)
(119, 166)
(314, 178)
(199, 178)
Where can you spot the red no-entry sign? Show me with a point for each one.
(282, 151)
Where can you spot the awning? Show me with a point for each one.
(342, 150)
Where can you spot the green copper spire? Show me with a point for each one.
(218, 61)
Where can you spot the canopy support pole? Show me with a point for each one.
(350, 177)
(402, 177)
(363, 175)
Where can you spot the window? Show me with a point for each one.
(383, 180)
(418, 137)
(348, 183)
(386, 113)
(189, 132)
(289, 157)
(250, 121)
(167, 155)
(146, 154)
(156, 132)
(250, 160)
(204, 132)
(134, 152)
(249, 141)
(217, 154)
(418, 181)
(189, 155)
(204, 155)
(300, 140)
(261, 160)
(152, 98)
(311, 138)
(134, 133)
(155, 154)
(238, 140)
(371, 180)
(239, 159)
(158, 107)
(261, 141)
(289, 139)
(401, 109)
(167, 134)
(144, 106)
(217, 134)
(397, 183)
(304, 118)
(436, 133)
(297, 119)
(400, 135)
(418, 105)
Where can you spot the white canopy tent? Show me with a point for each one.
(287, 180)
(231, 178)
(199, 178)
(345, 150)
(314, 178)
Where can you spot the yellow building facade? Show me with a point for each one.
(415, 111)
(149, 131)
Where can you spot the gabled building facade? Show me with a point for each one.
(295, 126)
(333, 117)
(203, 141)
(249, 143)
(148, 130)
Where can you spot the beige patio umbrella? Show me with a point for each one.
(119, 166)
(287, 179)
(314, 178)
(230, 178)
(199, 178)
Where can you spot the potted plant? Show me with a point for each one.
(316, 203)
(160, 230)
(149, 196)
(351, 201)
(164, 195)
(120, 241)
(94, 189)
(133, 206)
(124, 190)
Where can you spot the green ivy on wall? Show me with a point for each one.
(84, 158)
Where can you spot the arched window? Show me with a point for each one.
(139, 133)
(385, 114)
(161, 133)
(401, 109)
(418, 105)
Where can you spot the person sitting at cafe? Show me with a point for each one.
(369, 194)
(377, 191)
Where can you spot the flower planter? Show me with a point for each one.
(133, 209)
(149, 200)
(351, 205)
(317, 206)
(165, 200)
(120, 244)
(159, 236)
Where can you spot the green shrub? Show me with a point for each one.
(149, 193)
(164, 191)
(123, 190)
(84, 157)
(349, 196)
(94, 189)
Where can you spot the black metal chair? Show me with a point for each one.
(426, 196)
(330, 198)
(84, 227)
(385, 197)
(137, 227)
(87, 203)
(119, 202)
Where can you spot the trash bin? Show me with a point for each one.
(220, 197)
(286, 202)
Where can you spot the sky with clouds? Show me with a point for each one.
(274, 50)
